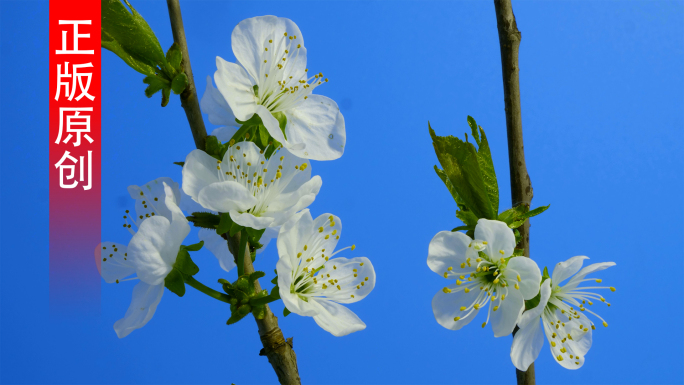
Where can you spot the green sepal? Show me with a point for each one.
(179, 163)
(184, 263)
(179, 83)
(225, 224)
(254, 276)
(166, 94)
(128, 35)
(235, 228)
(275, 280)
(273, 145)
(204, 220)
(195, 246)
(175, 283)
(263, 137)
(155, 84)
(545, 274)
(459, 228)
(213, 147)
(286, 312)
(460, 163)
(534, 302)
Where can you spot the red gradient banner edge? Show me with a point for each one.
(75, 203)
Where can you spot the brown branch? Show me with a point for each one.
(188, 97)
(279, 351)
(521, 186)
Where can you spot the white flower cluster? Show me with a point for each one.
(489, 278)
(269, 80)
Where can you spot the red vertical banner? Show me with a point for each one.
(75, 124)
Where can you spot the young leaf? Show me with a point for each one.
(184, 263)
(473, 129)
(460, 163)
(166, 94)
(174, 56)
(204, 220)
(156, 84)
(484, 159)
(195, 246)
(175, 283)
(129, 36)
(467, 217)
(179, 83)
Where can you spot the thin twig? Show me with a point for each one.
(188, 97)
(278, 350)
(521, 186)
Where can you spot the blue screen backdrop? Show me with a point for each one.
(602, 86)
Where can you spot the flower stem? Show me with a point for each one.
(241, 253)
(521, 186)
(205, 289)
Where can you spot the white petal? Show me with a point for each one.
(293, 235)
(249, 220)
(188, 205)
(154, 248)
(236, 87)
(226, 196)
(224, 134)
(285, 201)
(251, 36)
(567, 362)
(292, 301)
(337, 319)
(342, 269)
(291, 169)
(271, 124)
(147, 193)
(532, 315)
(593, 268)
(530, 276)
(109, 258)
(448, 249)
(446, 306)
(199, 171)
(318, 124)
(218, 246)
(498, 236)
(565, 270)
(215, 105)
(527, 344)
(143, 305)
(504, 319)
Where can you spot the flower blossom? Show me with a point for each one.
(272, 81)
(562, 312)
(312, 283)
(486, 277)
(258, 193)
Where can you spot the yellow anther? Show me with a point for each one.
(517, 287)
(354, 270)
(484, 242)
(553, 344)
(463, 308)
(605, 323)
(559, 358)
(612, 288)
(320, 229)
(495, 308)
(496, 273)
(593, 327)
(476, 306)
(599, 280)
(458, 282)
(478, 260)
(463, 265)
(360, 264)
(497, 281)
(338, 287)
(327, 236)
(484, 324)
(457, 319)
(519, 280)
(305, 247)
(493, 298)
(303, 166)
(502, 252)
(450, 268)
(446, 274)
(467, 290)
(446, 290)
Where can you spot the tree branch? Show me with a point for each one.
(521, 186)
(279, 351)
(188, 97)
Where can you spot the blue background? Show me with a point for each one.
(602, 98)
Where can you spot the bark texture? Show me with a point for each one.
(521, 186)
(278, 350)
(188, 98)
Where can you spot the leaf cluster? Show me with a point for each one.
(225, 226)
(244, 299)
(128, 35)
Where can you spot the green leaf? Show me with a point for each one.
(445, 179)
(459, 228)
(225, 224)
(473, 129)
(180, 82)
(195, 246)
(513, 214)
(484, 159)
(536, 211)
(516, 224)
(184, 263)
(179, 163)
(286, 312)
(175, 283)
(156, 84)
(174, 56)
(204, 220)
(166, 94)
(282, 122)
(460, 163)
(129, 36)
(467, 217)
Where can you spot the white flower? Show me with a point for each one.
(314, 284)
(271, 79)
(150, 200)
(485, 276)
(567, 329)
(215, 105)
(150, 254)
(258, 193)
